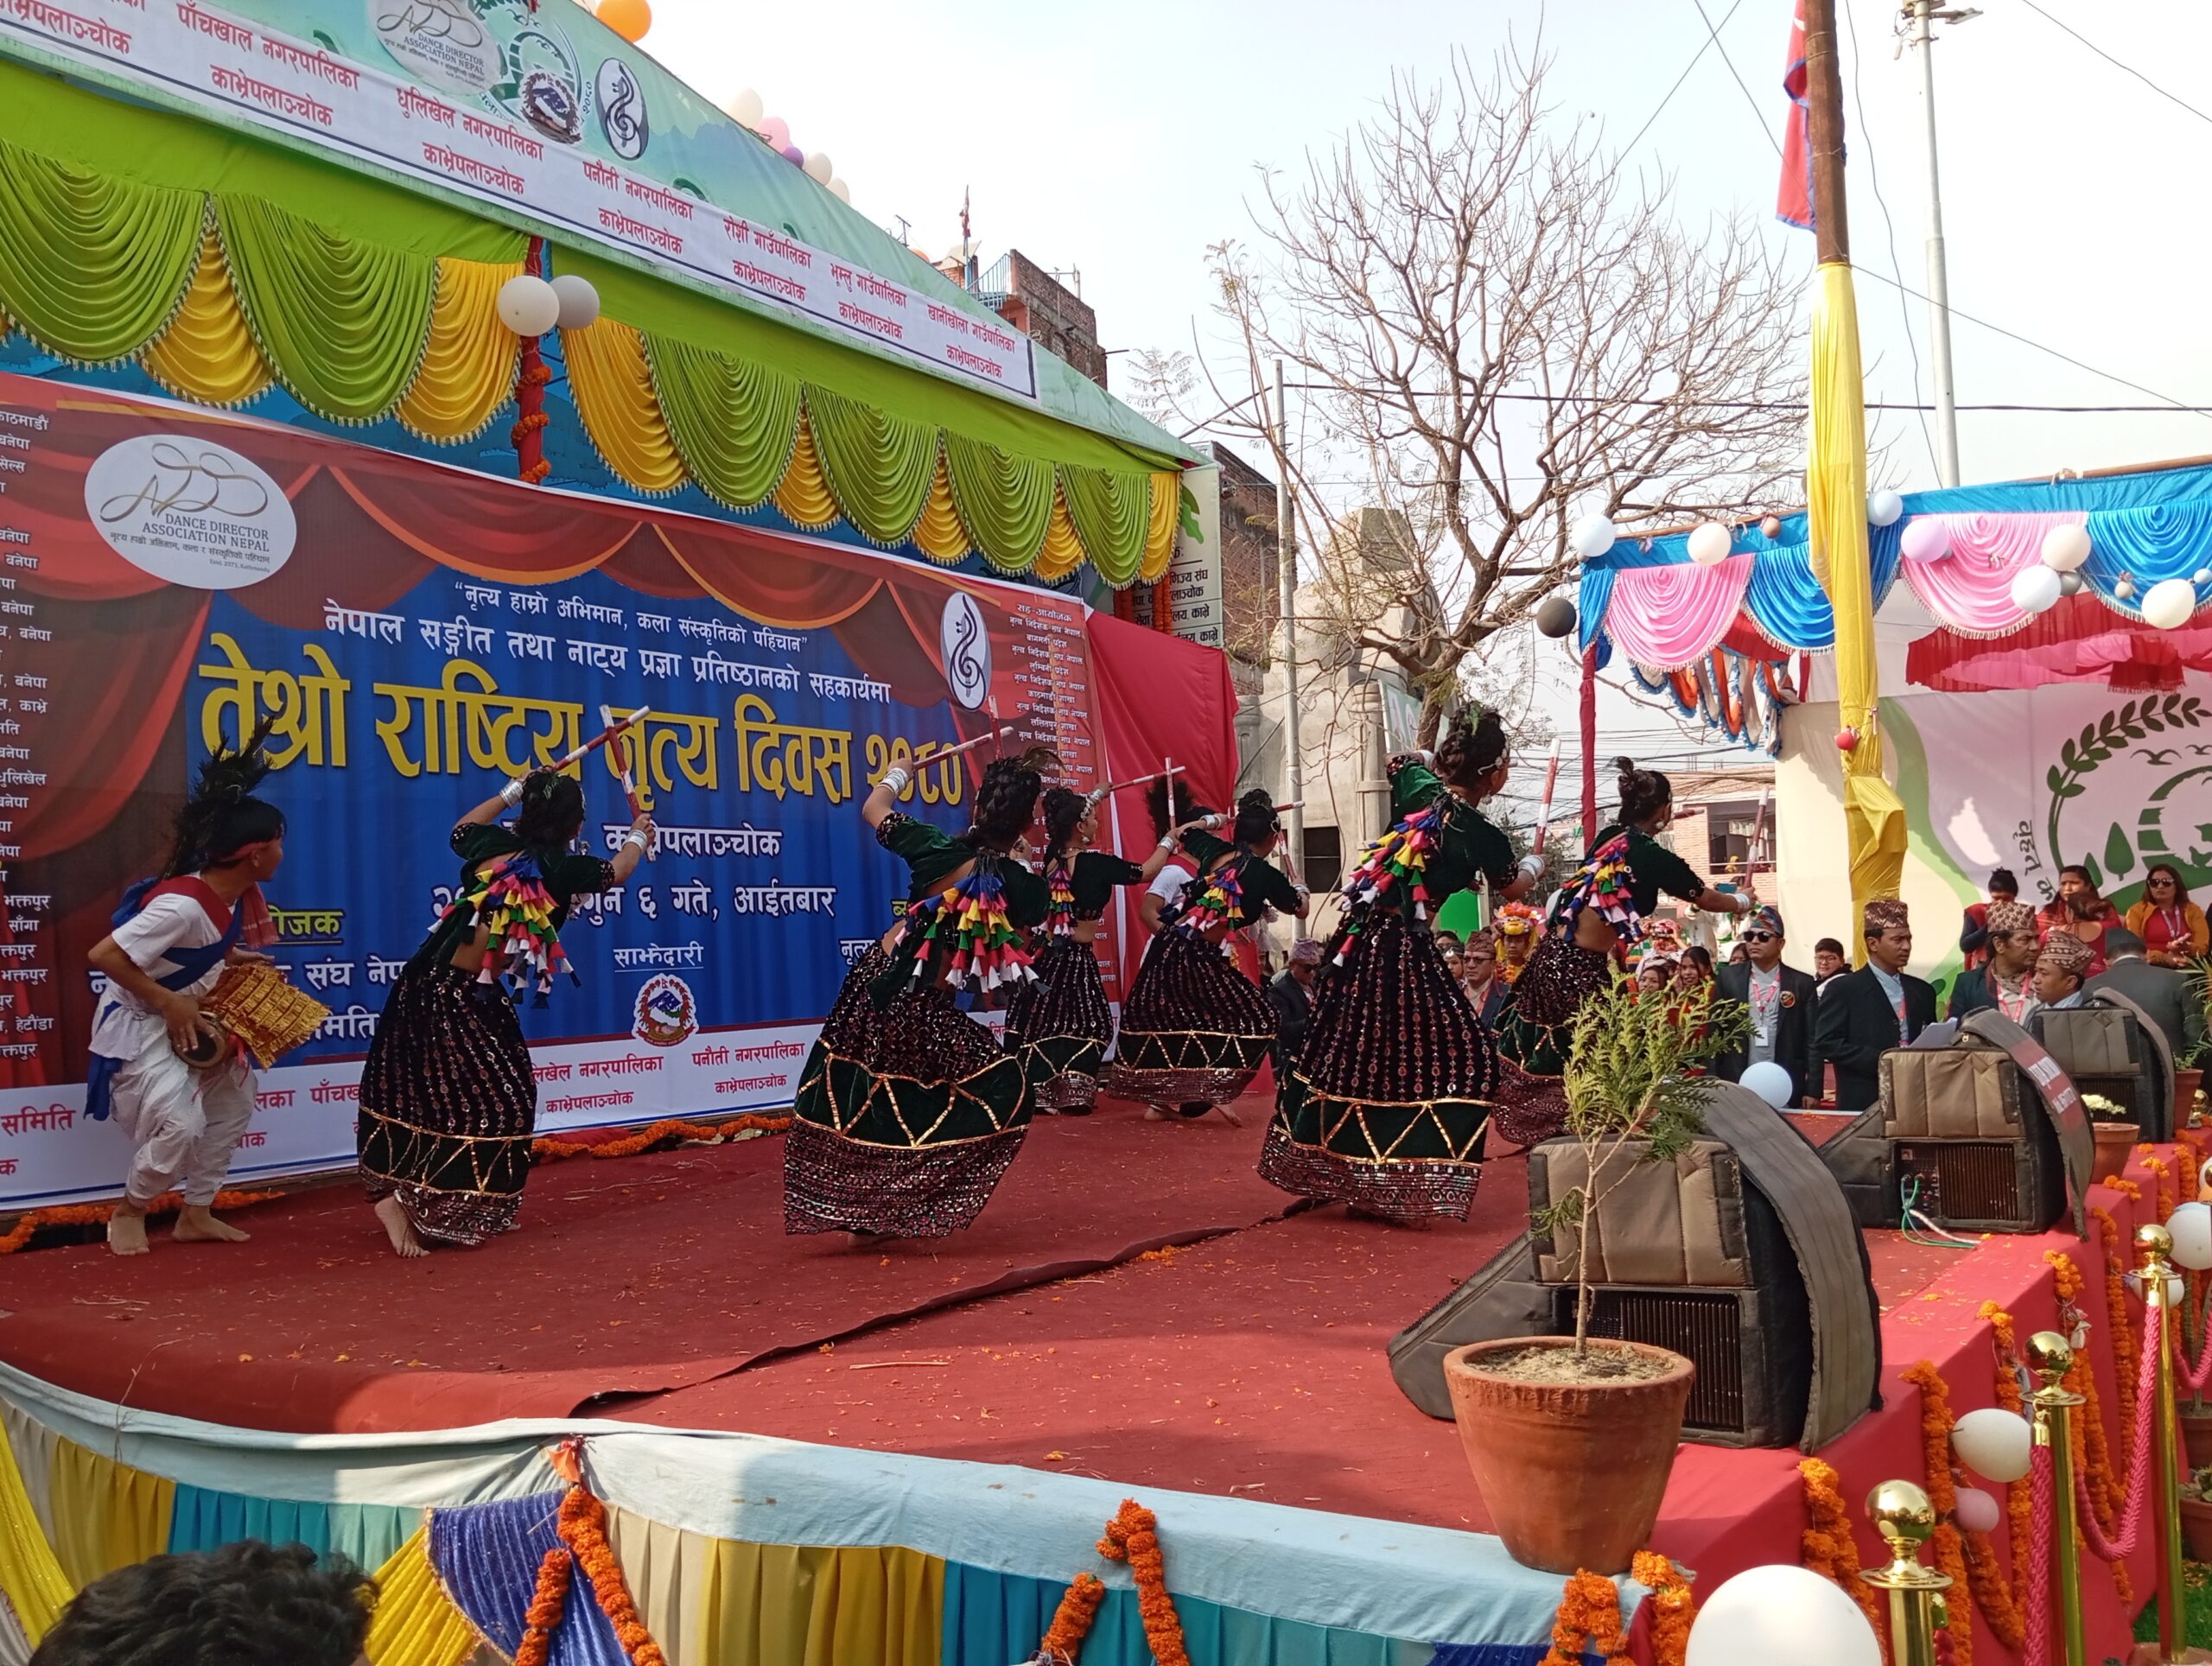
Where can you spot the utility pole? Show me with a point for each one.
(1286, 576)
(1922, 14)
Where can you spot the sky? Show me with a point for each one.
(1121, 140)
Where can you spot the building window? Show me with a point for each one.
(1325, 860)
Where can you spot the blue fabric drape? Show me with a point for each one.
(2149, 544)
(486, 1556)
(1597, 595)
(1787, 601)
(991, 1619)
(1496, 1654)
(207, 1520)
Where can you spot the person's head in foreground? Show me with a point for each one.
(2060, 967)
(245, 1605)
(1761, 939)
(1889, 934)
(1694, 969)
(1306, 959)
(2013, 939)
(1478, 960)
(1654, 973)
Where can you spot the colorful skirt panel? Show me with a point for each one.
(1058, 1025)
(1388, 1104)
(449, 1106)
(906, 1115)
(1194, 1030)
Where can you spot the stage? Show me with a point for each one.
(1134, 1307)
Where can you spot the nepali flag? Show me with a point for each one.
(1794, 201)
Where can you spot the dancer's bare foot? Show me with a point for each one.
(1229, 1116)
(399, 1229)
(194, 1224)
(1154, 1114)
(126, 1234)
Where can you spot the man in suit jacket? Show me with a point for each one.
(1865, 1014)
(2005, 982)
(1781, 999)
(2160, 991)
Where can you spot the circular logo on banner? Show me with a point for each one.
(444, 41)
(666, 1015)
(190, 511)
(622, 111)
(964, 638)
(545, 84)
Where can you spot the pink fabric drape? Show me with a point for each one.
(1665, 618)
(1970, 589)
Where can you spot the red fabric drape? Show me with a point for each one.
(752, 575)
(2080, 641)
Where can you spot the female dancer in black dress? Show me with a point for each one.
(1387, 1108)
(448, 1098)
(909, 1111)
(1059, 1023)
(1195, 1030)
(1601, 912)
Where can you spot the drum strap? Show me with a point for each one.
(191, 964)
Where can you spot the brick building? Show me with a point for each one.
(1045, 310)
(1251, 592)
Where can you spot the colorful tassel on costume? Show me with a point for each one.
(1059, 906)
(1217, 900)
(1395, 866)
(969, 923)
(1604, 882)
(508, 898)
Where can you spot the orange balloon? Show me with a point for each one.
(628, 18)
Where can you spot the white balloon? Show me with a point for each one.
(1883, 507)
(1593, 537)
(1769, 1081)
(842, 191)
(1709, 542)
(2035, 589)
(2191, 1225)
(528, 305)
(746, 109)
(1925, 539)
(817, 167)
(2168, 605)
(579, 300)
(1995, 1444)
(1781, 1613)
(2065, 548)
(2201, 576)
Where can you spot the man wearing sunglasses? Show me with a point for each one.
(1781, 1000)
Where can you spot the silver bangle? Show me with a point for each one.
(896, 778)
(511, 794)
(638, 839)
(1169, 843)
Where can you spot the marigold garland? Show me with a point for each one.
(1133, 1536)
(1936, 1451)
(2167, 1198)
(1071, 1621)
(98, 1214)
(2092, 1442)
(583, 1530)
(2019, 1501)
(1829, 1547)
(645, 1138)
(1589, 1621)
(1672, 1609)
(547, 1603)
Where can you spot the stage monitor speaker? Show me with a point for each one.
(1983, 1186)
(1968, 1143)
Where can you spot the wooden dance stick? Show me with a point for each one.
(1136, 780)
(629, 785)
(984, 739)
(603, 737)
(1544, 805)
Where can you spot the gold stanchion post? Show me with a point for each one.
(2158, 1279)
(1907, 1521)
(2050, 1357)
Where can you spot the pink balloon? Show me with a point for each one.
(1976, 1511)
(1925, 540)
(777, 131)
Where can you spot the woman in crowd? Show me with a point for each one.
(1694, 971)
(2172, 927)
(1194, 1029)
(1654, 973)
(2079, 910)
(1387, 1107)
(1602, 912)
(448, 1098)
(909, 1111)
(1057, 1024)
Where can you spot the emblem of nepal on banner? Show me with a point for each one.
(667, 1016)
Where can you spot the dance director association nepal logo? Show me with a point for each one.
(667, 1016)
(190, 511)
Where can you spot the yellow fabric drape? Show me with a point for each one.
(614, 391)
(1835, 498)
(416, 1623)
(939, 534)
(468, 368)
(1159, 528)
(1062, 550)
(802, 497)
(207, 354)
(31, 1577)
(712, 1602)
(105, 1516)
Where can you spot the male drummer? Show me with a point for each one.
(172, 939)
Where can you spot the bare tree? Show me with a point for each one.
(1496, 333)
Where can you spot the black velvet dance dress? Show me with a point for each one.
(1058, 1025)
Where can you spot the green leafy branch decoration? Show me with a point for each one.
(2111, 734)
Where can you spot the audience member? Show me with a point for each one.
(1781, 999)
(2003, 981)
(2079, 911)
(1739, 956)
(1973, 938)
(245, 1605)
(1518, 926)
(1829, 962)
(2061, 967)
(1487, 990)
(1694, 969)
(1881, 1006)
(2172, 927)
(1654, 973)
(2162, 992)
(1291, 991)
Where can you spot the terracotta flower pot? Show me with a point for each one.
(2197, 1437)
(2197, 1528)
(2114, 1142)
(1572, 1474)
(2186, 1083)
